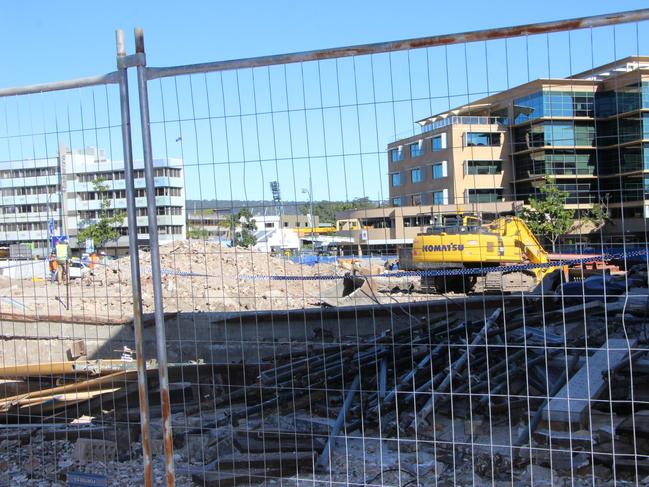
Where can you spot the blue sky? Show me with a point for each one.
(328, 122)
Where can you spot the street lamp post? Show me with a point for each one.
(308, 191)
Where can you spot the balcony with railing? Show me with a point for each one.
(463, 120)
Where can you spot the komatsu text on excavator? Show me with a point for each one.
(470, 244)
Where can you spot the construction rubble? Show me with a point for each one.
(544, 388)
(197, 276)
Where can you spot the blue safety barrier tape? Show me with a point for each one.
(427, 273)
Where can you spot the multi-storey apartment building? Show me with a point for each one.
(29, 200)
(589, 132)
(58, 196)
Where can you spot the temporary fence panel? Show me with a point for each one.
(420, 262)
(75, 361)
(408, 263)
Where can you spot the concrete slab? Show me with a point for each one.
(572, 402)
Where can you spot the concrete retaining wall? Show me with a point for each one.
(230, 337)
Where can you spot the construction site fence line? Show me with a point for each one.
(623, 256)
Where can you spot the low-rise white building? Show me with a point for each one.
(272, 235)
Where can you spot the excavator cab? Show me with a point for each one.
(471, 222)
(455, 224)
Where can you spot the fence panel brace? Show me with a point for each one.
(136, 284)
(156, 273)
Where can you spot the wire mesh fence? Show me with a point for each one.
(69, 373)
(413, 263)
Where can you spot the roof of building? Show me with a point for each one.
(620, 66)
(484, 106)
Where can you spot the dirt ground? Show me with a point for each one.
(197, 276)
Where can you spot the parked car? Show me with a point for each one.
(77, 269)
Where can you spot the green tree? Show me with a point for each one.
(326, 210)
(104, 229)
(243, 236)
(197, 233)
(547, 215)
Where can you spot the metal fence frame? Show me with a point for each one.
(120, 78)
(146, 74)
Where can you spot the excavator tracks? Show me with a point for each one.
(499, 282)
(492, 282)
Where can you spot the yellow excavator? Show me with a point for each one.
(469, 244)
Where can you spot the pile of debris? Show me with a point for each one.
(81, 420)
(197, 276)
(541, 385)
(547, 385)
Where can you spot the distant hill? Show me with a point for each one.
(326, 210)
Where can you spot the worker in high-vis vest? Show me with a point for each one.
(55, 272)
(94, 261)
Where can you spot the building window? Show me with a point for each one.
(440, 170)
(438, 142)
(415, 174)
(491, 139)
(489, 195)
(397, 154)
(166, 172)
(28, 173)
(170, 210)
(440, 197)
(166, 191)
(396, 201)
(415, 199)
(568, 104)
(483, 167)
(555, 104)
(268, 225)
(560, 134)
(568, 162)
(396, 179)
(417, 149)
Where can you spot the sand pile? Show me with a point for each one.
(202, 276)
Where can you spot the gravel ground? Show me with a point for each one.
(356, 461)
(197, 276)
(45, 463)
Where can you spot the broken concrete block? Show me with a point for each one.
(539, 476)
(474, 426)
(78, 349)
(573, 402)
(89, 450)
(9, 445)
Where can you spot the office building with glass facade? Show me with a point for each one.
(588, 132)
